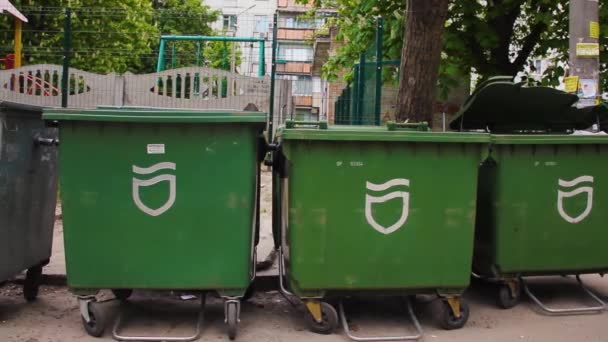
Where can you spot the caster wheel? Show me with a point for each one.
(329, 321)
(97, 323)
(451, 322)
(122, 294)
(506, 300)
(232, 319)
(33, 278)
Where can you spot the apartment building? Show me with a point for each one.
(295, 56)
(297, 35)
(246, 18)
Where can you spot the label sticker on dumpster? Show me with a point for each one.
(371, 200)
(156, 148)
(138, 183)
(572, 188)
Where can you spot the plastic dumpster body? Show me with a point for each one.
(28, 193)
(159, 200)
(376, 210)
(541, 205)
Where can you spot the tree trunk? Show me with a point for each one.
(420, 58)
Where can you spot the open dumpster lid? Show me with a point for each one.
(500, 105)
(155, 115)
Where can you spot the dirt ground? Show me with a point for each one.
(269, 317)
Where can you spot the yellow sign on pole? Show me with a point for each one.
(594, 30)
(588, 49)
(571, 84)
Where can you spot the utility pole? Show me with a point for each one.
(584, 51)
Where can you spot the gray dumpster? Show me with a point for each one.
(28, 193)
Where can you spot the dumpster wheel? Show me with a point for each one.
(122, 294)
(97, 320)
(328, 323)
(449, 319)
(232, 308)
(32, 281)
(509, 295)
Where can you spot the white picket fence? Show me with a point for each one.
(191, 87)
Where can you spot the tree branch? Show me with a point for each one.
(477, 52)
(504, 26)
(530, 41)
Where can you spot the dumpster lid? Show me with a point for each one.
(155, 115)
(20, 106)
(500, 105)
(390, 132)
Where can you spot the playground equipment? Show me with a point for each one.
(13, 60)
(161, 65)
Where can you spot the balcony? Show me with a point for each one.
(321, 53)
(294, 68)
(292, 4)
(302, 101)
(295, 34)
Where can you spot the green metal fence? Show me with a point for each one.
(361, 101)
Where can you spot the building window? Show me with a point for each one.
(316, 85)
(538, 66)
(300, 23)
(300, 85)
(262, 23)
(306, 114)
(229, 22)
(295, 53)
(296, 22)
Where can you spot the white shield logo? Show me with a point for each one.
(137, 183)
(585, 180)
(371, 200)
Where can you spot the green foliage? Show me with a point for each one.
(488, 37)
(100, 37)
(219, 54)
(184, 17)
(357, 22)
(107, 35)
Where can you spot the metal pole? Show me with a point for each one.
(378, 104)
(18, 44)
(160, 64)
(262, 58)
(273, 70)
(360, 89)
(67, 46)
(233, 55)
(198, 53)
(233, 58)
(224, 56)
(212, 38)
(354, 94)
(173, 56)
(584, 49)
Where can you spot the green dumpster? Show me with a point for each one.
(541, 205)
(28, 193)
(161, 200)
(376, 210)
